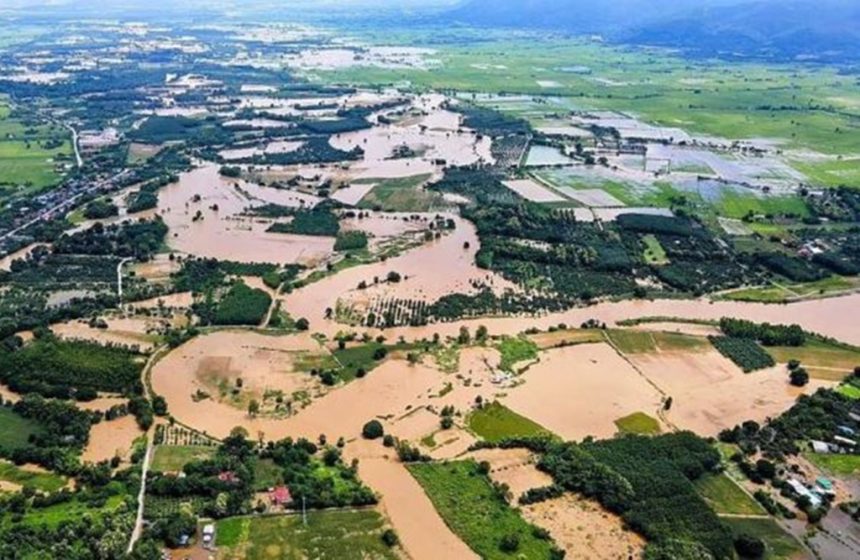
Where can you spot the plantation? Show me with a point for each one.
(477, 513)
(648, 481)
(319, 221)
(66, 369)
(744, 352)
(350, 241)
(242, 305)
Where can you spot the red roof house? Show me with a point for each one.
(280, 496)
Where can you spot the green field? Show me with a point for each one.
(15, 430)
(333, 535)
(514, 350)
(470, 506)
(780, 545)
(495, 422)
(44, 481)
(836, 464)
(267, 474)
(654, 252)
(724, 496)
(784, 292)
(171, 458)
(850, 391)
(629, 341)
(731, 101)
(52, 516)
(821, 359)
(404, 194)
(27, 163)
(638, 423)
(735, 205)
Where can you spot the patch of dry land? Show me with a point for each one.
(124, 331)
(710, 393)
(580, 391)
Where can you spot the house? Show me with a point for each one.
(280, 496)
(820, 446)
(846, 431)
(825, 485)
(802, 490)
(228, 476)
(845, 441)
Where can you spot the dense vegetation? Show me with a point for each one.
(647, 480)
(319, 220)
(350, 241)
(765, 333)
(241, 305)
(69, 369)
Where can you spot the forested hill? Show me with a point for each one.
(823, 29)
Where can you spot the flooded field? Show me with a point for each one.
(226, 370)
(430, 139)
(531, 190)
(109, 439)
(585, 530)
(204, 213)
(419, 269)
(581, 390)
(709, 393)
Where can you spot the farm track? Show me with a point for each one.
(147, 457)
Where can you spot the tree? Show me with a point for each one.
(510, 543)
(373, 430)
(481, 334)
(253, 407)
(799, 377)
(447, 422)
(748, 546)
(765, 468)
(464, 337)
(302, 324)
(390, 538)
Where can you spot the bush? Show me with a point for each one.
(799, 377)
(509, 543)
(748, 546)
(373, 430)
(350, 241)
(390, 538)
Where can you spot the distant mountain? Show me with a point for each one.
(826, 29)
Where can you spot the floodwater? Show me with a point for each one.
(435, 269)
(222, 231)
(580, 391)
